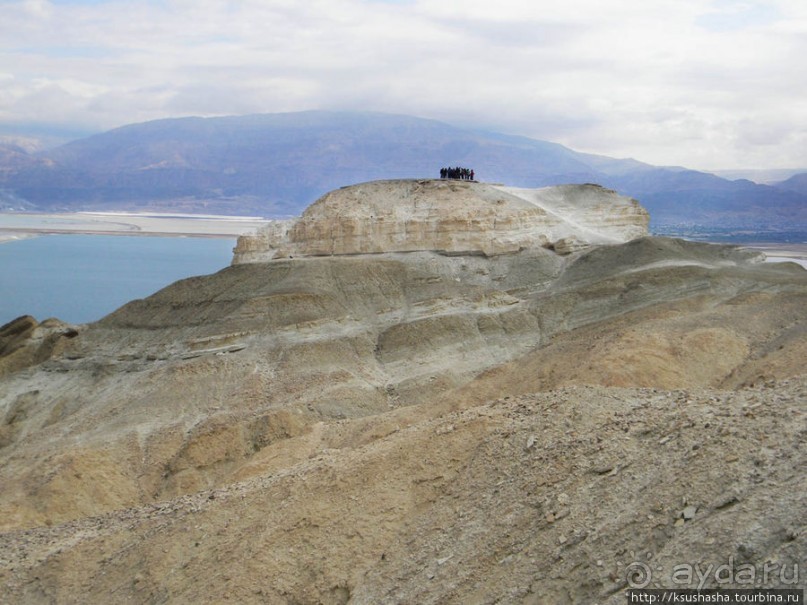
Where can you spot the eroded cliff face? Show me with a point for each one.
(177, 392)
(25, 342)
(410, 426)
(455, 217)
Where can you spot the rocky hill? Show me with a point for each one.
(426, 424)
(452, 217)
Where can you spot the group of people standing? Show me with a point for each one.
(465, 174)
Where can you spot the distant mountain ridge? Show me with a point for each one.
(277, 164)
(796, 183)
(763, 176)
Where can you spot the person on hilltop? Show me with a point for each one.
(457, 172)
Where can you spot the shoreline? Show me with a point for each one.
(780, 250)
(7, 238)
(781, 253)
(19, 234)
(18, 226)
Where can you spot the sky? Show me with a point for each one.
(706, 84)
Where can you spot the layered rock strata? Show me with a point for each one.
(453, 217)
(411, 426)
(177, 392)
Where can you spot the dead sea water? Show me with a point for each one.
(81, 278)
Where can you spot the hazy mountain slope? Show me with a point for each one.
(678, 195)
(797, 183)
(770, 176)
(276, 164)
(15, 159)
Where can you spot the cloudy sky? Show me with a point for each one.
(704, 84)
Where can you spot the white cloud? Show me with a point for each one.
(705, 85)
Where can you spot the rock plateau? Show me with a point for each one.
(452, 217)
(417, 392)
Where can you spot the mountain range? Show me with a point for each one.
(274, 165)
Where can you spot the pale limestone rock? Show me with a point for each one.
(452, 217)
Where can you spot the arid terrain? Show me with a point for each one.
(524, 413)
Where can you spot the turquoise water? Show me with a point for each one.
(81, 278)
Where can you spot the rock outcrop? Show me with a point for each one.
(435, 425)
(25, 342)
(454, 217)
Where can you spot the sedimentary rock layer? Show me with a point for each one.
(454, 217)
(443, 424)
(176, 392)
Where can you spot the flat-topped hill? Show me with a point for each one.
(456, 217)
